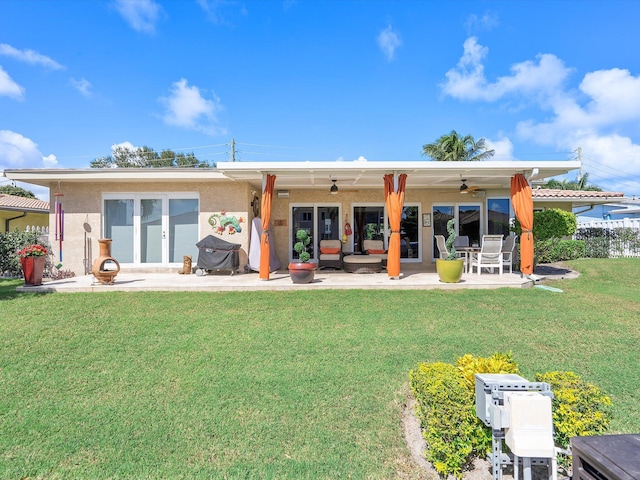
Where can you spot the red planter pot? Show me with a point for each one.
(302, 272)
(32, 268)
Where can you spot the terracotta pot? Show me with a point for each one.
(98, 268)
(32, 268)
(302, 272)
(450, 271)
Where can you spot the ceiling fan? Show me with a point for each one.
(464, 188)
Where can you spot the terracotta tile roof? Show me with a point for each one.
(13, 202)
(539, 193)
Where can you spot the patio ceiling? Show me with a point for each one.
(362, 175)
(316, 175)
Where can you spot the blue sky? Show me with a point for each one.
(321, 80)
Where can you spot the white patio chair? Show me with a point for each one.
(442, 247)
(508, 249)
(490, 254)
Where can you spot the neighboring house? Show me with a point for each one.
(156, 216)
(624, 209)
(21, 213)
(577, 201)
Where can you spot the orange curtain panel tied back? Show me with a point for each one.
(265, 209)
(395, 203)
(522, 202)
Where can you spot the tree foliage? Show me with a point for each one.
(452, 147)
(17, 191)
(145, 157)
(581, 183)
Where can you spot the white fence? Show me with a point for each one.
(622, 223)
(621, 238)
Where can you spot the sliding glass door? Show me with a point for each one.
(468, 222)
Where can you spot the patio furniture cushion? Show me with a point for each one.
(375, 248)
(330, 254)
(362, 264)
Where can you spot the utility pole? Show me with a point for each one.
(580, 160)
(233, 150)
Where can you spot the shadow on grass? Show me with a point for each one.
(8, 289)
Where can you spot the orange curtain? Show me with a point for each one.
(395, 203)
(265, 209)
(522, 202)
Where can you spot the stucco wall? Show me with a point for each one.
(82, 204)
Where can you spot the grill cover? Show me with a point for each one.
(217, 254)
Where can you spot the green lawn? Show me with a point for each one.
(285, 385)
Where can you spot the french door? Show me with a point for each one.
(322, 222)
(151, 229)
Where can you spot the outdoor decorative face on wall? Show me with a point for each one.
(221, 222)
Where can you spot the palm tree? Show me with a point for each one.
(454, 148)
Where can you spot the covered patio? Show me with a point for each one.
(413, 277)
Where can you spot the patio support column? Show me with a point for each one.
(265, 209)
(522, 202)
(394, 199)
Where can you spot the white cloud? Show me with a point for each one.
(220, 12)
(503, 149)
(600, 115)
(141, 15)
(186, 107)
(126, 145)
(486, 22)
(9, 88)
(83, 86)
(29, 56)
(467, 80)
(50, 161)
(17, 151)
(388, 41)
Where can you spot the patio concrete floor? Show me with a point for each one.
(411, 278)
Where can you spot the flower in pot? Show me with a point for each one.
(450, 269)
(303, 270)
(32, 259)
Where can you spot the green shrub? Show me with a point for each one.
(579, 407)
(496, 363)
(10, 243)
(445, 406)
(446, 410)
(555, 250)
(550, 223)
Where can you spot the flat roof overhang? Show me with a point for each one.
(292, 175)
(426, 174)
(46, 177)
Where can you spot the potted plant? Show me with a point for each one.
(450, 269)
(302, 271)
(32, 259)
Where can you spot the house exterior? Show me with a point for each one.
(21, 213)
(156, 216)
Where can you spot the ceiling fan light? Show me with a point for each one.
(334, 188)
(463, 187)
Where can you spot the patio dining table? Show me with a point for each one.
(468, 255)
